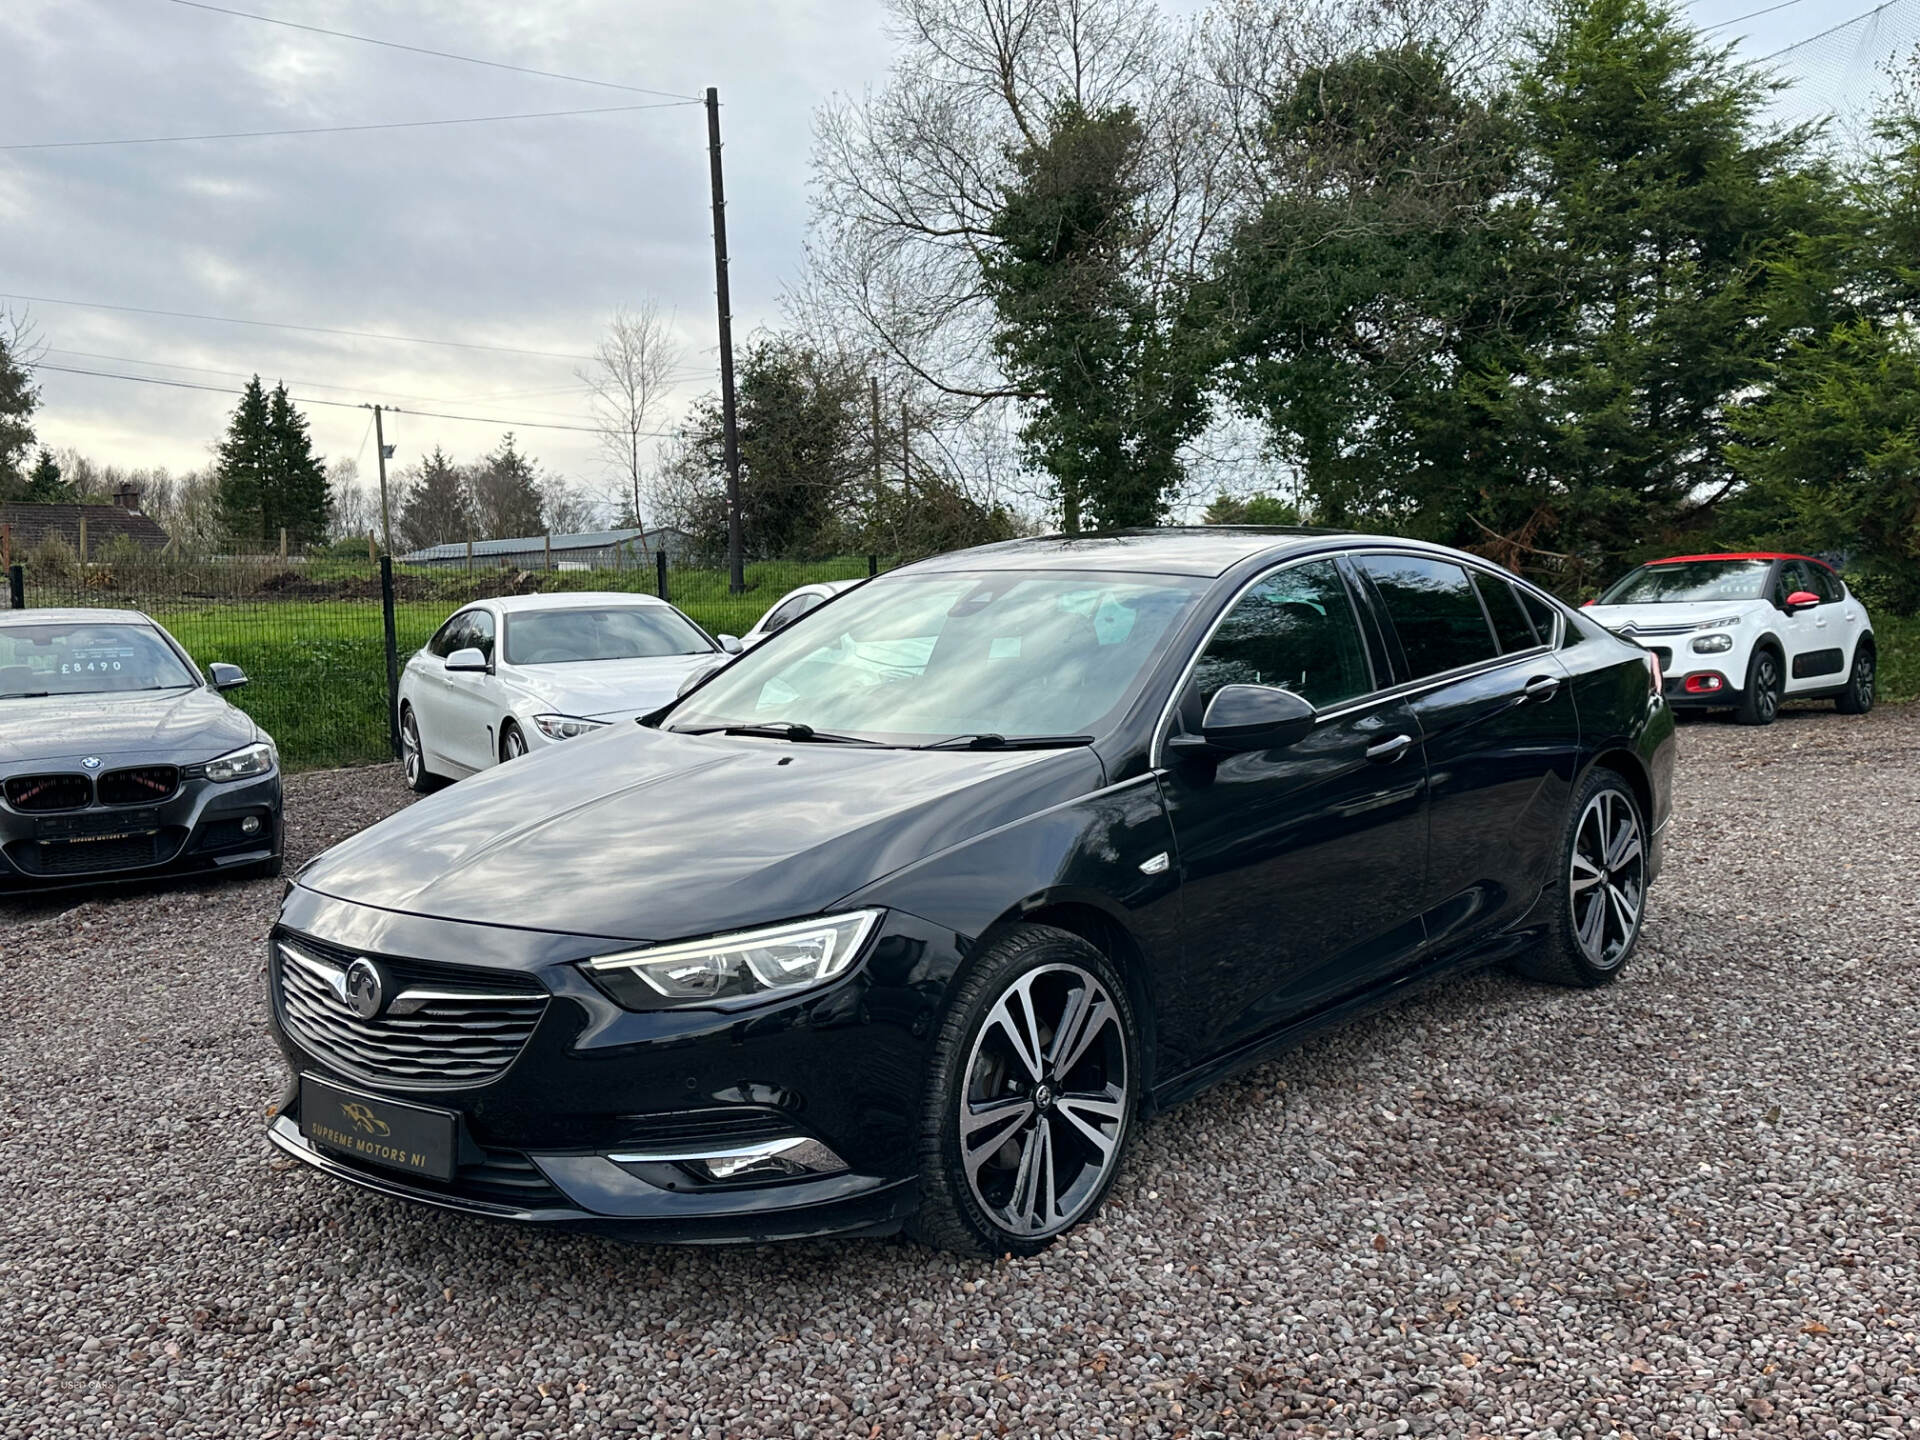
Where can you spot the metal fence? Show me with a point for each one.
(322, 639)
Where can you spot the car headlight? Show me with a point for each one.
(1723, 623)
(243, 764)
(566, 727)
(776, 960)
(1712, 644)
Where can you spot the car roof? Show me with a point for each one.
(569, 600)
(1174, 550)
(75, 615)
(1742, 555)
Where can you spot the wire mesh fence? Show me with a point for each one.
(311, 634)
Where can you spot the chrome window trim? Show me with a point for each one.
(1156, 753)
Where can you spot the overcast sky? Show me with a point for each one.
(523, 233)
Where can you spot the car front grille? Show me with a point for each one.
(440, 1026)
(142, 786)
(49, 792)
(1663, 655)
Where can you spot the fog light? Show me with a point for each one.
(789, 1157)
(250, 825)
(1703, 684)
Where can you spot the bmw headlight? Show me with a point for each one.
(776, 960)
(243, 764)
(1712, 644)
(566, 727)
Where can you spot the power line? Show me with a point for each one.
(423, 50)
(495, 420)
(1831, 30)
(1752, 15)
(347, 129)
(308, 329)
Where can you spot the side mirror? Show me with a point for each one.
(1250, 717)
(1801, 600)
(467, 660)
(694, 676)
(226, 677)
(730, 644)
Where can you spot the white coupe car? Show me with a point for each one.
(792, 605)
(506, 676)
(1745, 632)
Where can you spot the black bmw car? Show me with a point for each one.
(906, 916)
(120, 761)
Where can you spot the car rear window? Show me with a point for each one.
(1434, 610)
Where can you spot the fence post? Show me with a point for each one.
(17, 586)
(393, 655)
(873, 566)
(83, 539)
(546, 551)
(660, 566)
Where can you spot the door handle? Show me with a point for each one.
(1541, 687)
(1385, 752)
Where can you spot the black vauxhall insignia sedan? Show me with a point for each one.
(120, 761)
(909, 913)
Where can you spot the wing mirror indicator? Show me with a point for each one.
(1242, 718)
(226, 677)
(1801, 600)
(467, 661)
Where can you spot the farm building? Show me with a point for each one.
(597, 550)
(88, 528)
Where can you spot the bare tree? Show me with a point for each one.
(629, 381)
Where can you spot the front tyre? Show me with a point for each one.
(1031, 1096)
(1596, 902)
(513, 744)
(1766, 682)
(1857, 698)
(413, 758)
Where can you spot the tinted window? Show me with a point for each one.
(1432, 605)
(87, 660)
(443, 642)
(1796, 575)
(789, 611)
(1826, 584)
(1510, 624)
(922, 658)
(1295, 630)
(631, 632)
(479, 632)
(1542, 614)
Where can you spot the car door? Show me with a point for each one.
(1501, 732)
(1815, 637)
(472, 701)
(1301, 867)
(430, 690)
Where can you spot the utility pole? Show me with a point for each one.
(380, 449)
(729, 419)
(879, 490)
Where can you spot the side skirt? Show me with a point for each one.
(1416, 979)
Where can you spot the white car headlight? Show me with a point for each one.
(776, 960)
(1712, 644)
(566, 727)
(1724, 622)
(243, 764)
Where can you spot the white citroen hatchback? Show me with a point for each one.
(517, 673)
(1745, 632)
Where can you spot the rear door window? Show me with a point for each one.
(1510, 624)
(1434, 610)
(1540, 612)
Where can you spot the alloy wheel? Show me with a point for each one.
(410, 750)
(1607, 883)
(1766, 679)
(513, 743)
(1863, 678)
(1044, 1106)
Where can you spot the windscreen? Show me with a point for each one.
(85, 659)
(560, 637)
(919, 659)
(1690, 580)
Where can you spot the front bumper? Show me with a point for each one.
(197, 830)
(842, 1066)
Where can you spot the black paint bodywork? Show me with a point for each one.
(1301, 886)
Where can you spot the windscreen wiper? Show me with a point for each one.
(988, 740)
(27, 695)
(785, 730)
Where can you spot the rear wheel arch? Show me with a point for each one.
(1113, 938)
(1629, 767)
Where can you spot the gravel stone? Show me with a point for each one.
(1688, 1205)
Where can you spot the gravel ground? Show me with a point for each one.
(1683, 1206)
